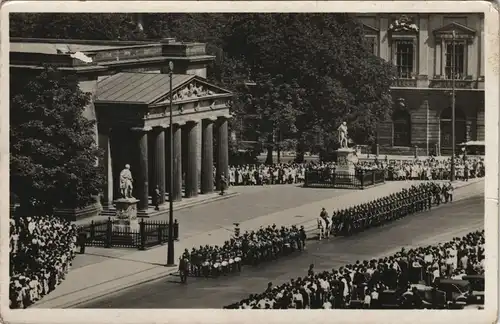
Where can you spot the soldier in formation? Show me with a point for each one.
(381, 211)
(251, 248)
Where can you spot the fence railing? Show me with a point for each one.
(331, 179)
(106, 234)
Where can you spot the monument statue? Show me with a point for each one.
(343, 135)
(126, 182)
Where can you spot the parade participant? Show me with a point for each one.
(183, 268)
(250, 248)
(156, 198)
(223, 184)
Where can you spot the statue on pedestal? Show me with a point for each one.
(126, 182)
(343, 135)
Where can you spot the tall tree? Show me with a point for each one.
(312, 71)
(94, 26)
(53, 152)
(315, 70)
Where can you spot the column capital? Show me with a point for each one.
(211, 119)
(180, 123)
(192, 122)
(141, 129)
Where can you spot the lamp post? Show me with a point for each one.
(427, 127)
(452, 176)
(170, 247)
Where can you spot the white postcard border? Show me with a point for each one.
(492, 96)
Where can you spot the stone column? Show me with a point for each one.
(176, 195)
(106, 162)
(141, 170)
(191, 189)
(159, 162)
(222, 150)
(207, 156)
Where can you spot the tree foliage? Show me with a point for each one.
(93, 26)
(311, 71)
(53, 152)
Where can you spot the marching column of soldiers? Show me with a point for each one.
(271, 243)
(384, 210)
(251, 248)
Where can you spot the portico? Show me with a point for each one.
(133, 119)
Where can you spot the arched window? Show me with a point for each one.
(446, 127)
(401, 121)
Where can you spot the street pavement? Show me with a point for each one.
(441, 224)
(100, 272)
(251, 202)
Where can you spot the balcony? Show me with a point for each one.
(439, 82)
(405, 83)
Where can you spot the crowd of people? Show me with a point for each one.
(433, 169)
(41, 251)
(415, 169)
(251, 248)
(358, 218)
(360, 285)
(256, 175)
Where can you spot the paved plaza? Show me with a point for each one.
(104, 271)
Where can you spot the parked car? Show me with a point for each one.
(467, 291)
(431, 297)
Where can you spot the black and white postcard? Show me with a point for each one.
(217, 162)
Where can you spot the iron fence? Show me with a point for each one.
(106, 234)
(329, 178)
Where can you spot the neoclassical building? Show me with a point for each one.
(130, 87)
(421, 47)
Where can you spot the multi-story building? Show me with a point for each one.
(421, 48)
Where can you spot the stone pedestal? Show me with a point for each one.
(346, 158)
(126, 215)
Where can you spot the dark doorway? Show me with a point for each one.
(446, 127)
(401, 121)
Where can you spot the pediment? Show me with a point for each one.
(194, 89)
(461, 31)
(403, 25)
(370, 30)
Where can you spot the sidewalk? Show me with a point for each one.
(178, 205)
(117, 273)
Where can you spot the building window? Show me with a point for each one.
(459, 62)
(404, 58)
(401, 121)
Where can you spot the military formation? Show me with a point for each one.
(273, 242)
(384, 210)
(251, 248)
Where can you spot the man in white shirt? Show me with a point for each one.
(367, 301)
(374, 298)
(435, 274)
